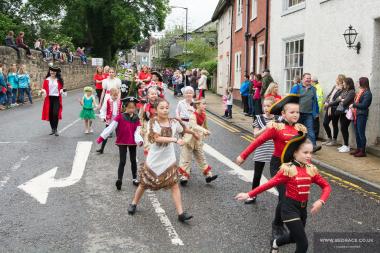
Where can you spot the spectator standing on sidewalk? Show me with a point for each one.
(257, 86)
(331, 103)
(345, 100)
(308, 107)
(272, 91)
(319, 90)
(20, 43)
(24, 84)
(360, 109)
(244, 92)
(202, 84)
(229, 102)
(193, 81)
(13, 83)
(251, 107)
(267, 80)
(10, 42)
(3, 89)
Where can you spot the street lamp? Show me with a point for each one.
(350, 36)
(187, 10)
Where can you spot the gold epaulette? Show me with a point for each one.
(289, 169)
(300, 127)
(311, 169)
(276, 125)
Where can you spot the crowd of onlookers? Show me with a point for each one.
(343, 104)
(50, 51)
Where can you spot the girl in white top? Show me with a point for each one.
(111, 82)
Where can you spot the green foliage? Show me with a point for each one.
(7, 24)
(210, 66)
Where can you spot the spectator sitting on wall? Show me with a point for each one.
(38, 46)
(10, 42)
(20, 43)
(82, 55)
(68, 53)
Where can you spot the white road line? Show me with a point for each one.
(68, 126)
(13, 142)
(15, 167)
(245, 175)
(164, 219)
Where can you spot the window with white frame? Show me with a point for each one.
(239, 14)
(260, 57)
(292, 3)
(237, 70)
(294, 51)
(251, 60)
(254, 9)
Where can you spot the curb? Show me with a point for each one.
(316, 161)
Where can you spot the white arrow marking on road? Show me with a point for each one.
(245, 175)
(39, 186)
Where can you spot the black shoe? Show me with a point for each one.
(183, 182)
(184, 217)
(56, 132)
(250, 201)
(100, 151)
(135, 182)
(52, 132)
(132, 209)
(316, 148)
(209, 179)
(118, 184)
(278, 231)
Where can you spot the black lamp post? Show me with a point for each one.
(350, 36)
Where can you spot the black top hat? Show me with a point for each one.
(55, 68)
(291, 147)
(277, 107)
(158, 75)
(127, 100)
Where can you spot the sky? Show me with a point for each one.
(200, 11)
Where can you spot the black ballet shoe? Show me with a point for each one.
(132, 209)
(52, 132)
(184, 217)
(100, 151)
(183, 182)
(209, 179)
(135, 182)
(118, 184)
(250, 201)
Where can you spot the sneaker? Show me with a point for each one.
(209, 179)
(340, 147)
(132, 209)
(331, 143)
(344, 149)
(86, 131)
(184, 217)
(91, 130)
(135, 182)
(317, 148)
(326, 142)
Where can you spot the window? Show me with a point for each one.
(251, 60)
(237, 70)
(292, 3)
(254, 9)
(239, 14)
(293, 61)
(260, 57)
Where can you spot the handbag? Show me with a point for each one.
(349, 114)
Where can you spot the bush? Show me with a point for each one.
(210, 66)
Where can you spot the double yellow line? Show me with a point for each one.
(222, 123)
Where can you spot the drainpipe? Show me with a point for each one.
(247, 35)
(254, 39)
(266, 34)
(230, 55)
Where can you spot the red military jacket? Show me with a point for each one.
(46, 105)
(279, 132)
(297, 179)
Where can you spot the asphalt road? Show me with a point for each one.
(91, 215)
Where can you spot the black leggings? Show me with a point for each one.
(259, 167)
(99, 93)
(297, 235)
(275, 164)
(104, 142)
(53, 112)
(326, 124)
(344, 125)
(123, 158)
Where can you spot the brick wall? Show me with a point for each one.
(75, 75)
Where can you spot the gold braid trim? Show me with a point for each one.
(276, 125)
(289, 169)
(311, 169)
(300, 127)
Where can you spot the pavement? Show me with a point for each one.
(366, 169)
(57, 195)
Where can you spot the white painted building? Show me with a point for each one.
(154, 53)
(307, 36)
(223, 15)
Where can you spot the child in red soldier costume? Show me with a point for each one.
(280, 133)
(157, 83)
(146, 113)
(127, 125)
(198, 124)
(297, 174)
(113, 109)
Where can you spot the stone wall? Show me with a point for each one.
(75, 75)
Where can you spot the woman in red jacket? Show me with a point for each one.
(52, 90)
(297, 174)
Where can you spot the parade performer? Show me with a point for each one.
(160, 170)
(198, 124)
(157, 82)
(262, 154)
(146, 113)
(52, 90)
(280, 133)
(127, 127)
(88, 103)
(113, 109)
(111, 82)
(297, 174)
